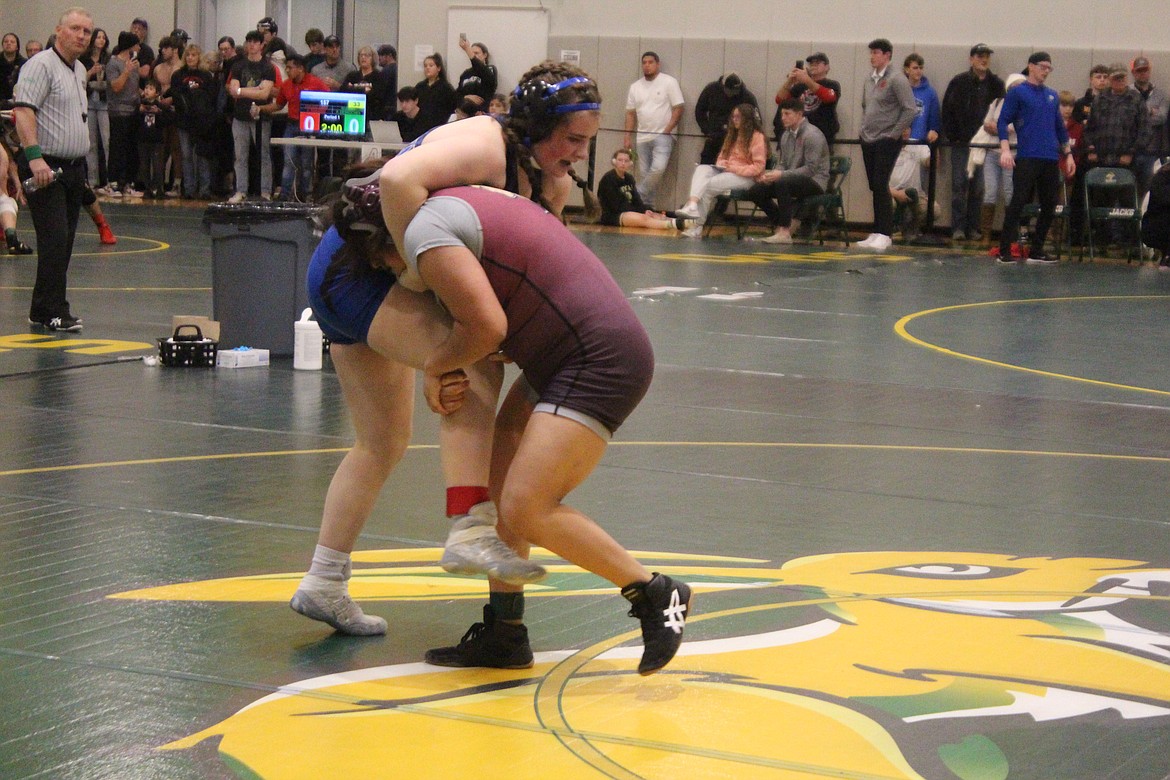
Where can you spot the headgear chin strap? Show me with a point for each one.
(363, 199)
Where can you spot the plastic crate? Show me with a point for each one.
(187, 349)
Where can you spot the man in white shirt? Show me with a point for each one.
(654, 106)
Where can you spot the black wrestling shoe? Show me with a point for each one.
(492, 643)
(66, 324)
(662, 605)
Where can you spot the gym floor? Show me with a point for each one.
(922, 498)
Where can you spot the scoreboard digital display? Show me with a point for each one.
(333, 114)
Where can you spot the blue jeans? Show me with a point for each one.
(966, 194)
(298, 164)
(653, 156)
(196, 169)
(995, 181)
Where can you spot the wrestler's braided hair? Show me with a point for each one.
(543, 100)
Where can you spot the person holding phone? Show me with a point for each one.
(122, 77)
(820, 94)
(481, 78)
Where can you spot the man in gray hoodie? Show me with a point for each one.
(888, 109)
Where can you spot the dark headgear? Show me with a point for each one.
(267, 24)
(732, 83)
(820, 56)
(127, 40)
(363, 204)
(1038, 57)
(539, 104)
(332, 40)
(981, 48)
(179, 34)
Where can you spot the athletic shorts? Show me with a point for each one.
(345, 315)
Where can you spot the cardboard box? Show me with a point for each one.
(208, 326)
(241, 357)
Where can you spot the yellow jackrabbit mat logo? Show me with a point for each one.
(858, 665)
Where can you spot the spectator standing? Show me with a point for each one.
(387, 79)
(818, 93)
(906, 179)
(122, 104)
(11, 61)
(154, 118)
(145, 54)
(49, 114)
(194, 95)
(997, 182)
(436, 96)
(964, 105)
(170, 52)
(888, 108)
(364, 80)
(654, 106)
(315, 40)
(1153, 146)
(803, 171)
(332, 71)
(1098, 83)
(1117, 125)
(481, 77)
(268, 28)
(1042, 139)
(97, 115)
(298, 160)
(713, 110)
(250, 83)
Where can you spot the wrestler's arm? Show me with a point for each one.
(470, 151)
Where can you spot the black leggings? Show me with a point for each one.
(1031, 177)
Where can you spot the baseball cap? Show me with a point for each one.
(1118, 69)
(332, 40)
(1139, 63)
(881, 44)
(819, 56)
(1038, 57)
(981, 48)
(180, 34)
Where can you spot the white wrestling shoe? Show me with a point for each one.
(330, 603)
(474, 547)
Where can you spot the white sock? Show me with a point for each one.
(329, 564)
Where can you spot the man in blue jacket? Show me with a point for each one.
(1041, 142)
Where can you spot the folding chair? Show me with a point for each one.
(829, 208)
(741, 217)
(1116, 182)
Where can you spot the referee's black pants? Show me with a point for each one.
(54, 210)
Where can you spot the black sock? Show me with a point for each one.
(508, 607)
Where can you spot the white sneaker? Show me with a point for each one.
(239, 197)
(330, 603)
(694, 231)
(777, 238)
(108, 191)
(688, 210)
(866, 242)
(129, 191)
(880, 243)
(474, 547)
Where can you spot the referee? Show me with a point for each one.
(49, 112)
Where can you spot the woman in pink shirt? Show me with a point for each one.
(742, 158)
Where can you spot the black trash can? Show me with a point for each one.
(260, 255)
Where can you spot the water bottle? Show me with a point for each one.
(307, 343)
(30, 184)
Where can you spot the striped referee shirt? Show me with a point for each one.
(56, 93)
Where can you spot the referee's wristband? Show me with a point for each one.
(32, 153)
